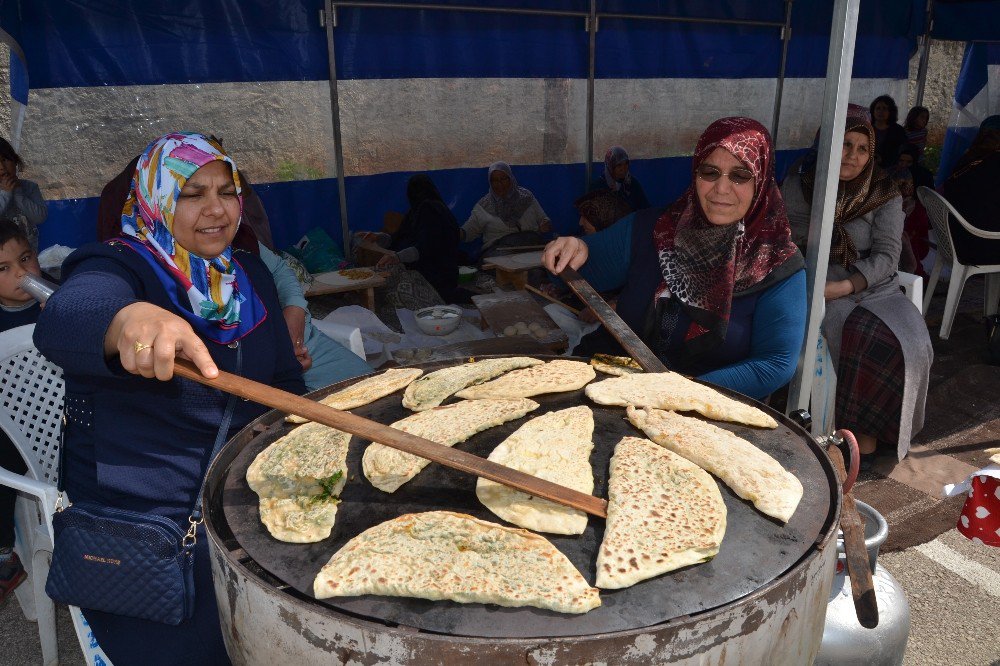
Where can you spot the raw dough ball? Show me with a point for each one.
(535, 327)
(510, 330)
(521, 327)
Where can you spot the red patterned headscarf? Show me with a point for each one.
(705, 265)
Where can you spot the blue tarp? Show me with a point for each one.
(967, 20)
(87, 43)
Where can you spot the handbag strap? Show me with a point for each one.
(197, 517)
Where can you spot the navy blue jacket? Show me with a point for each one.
(139, 443)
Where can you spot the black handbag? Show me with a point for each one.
(124, 562)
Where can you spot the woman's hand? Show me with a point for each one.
(387, 260)
(565, 251)
(295, 320)
(146, 338)
(838, 289)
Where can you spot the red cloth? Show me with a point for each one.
(980, 519)
(703, 264)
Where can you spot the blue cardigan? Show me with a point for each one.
(766, 328)
(133, 442)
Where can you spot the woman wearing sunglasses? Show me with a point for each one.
(713, 283)
(877, 337)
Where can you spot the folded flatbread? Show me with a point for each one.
(751, 473)
(555, 447)
(432, 389)
(443, 555)
(389, 468)
(664, 513)
(994, 455)
(366, 390)
(299, 519)
(615, 365)
(298, 478)
(552, 377)
(670, 390)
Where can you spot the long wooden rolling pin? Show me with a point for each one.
(635, 347)
(397, 439)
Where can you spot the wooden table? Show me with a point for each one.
(512, 269)
(334, 283)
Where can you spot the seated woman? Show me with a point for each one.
(713, 283)
(507, 209)
(618, 178)
(599, 209)
(878, 339)
(170, 285)
(20, 199)
(427, 238)
(889, 134)
(972, 190)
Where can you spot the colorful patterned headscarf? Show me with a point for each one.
(215, 295)
(703, 264)
(509, 208)
(868, 190)
(616, 155)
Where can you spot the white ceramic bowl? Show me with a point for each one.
(438, 319)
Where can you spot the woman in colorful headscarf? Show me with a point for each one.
(876, 336)
(505, 210)
(170, 286)
(713, 282)
(618, 178)
(972, 190)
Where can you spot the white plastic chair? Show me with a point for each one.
(31, 393)
(938, 209)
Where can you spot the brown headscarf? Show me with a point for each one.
(867, 191)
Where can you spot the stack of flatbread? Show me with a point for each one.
(555, 447)
(751, 473)
(389, 468)
(664, 513)
(296, 479)
(367, 390)
(432, 389)
(552, 377)
(669, 390)
(444, 555)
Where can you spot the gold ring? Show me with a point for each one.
(139, 346)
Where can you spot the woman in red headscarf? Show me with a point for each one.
(876, 336)
(712, 283)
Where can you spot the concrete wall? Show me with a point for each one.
(939, 93)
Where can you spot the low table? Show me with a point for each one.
(335, 283)
(512, 269)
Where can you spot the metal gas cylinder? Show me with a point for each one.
(845, 641)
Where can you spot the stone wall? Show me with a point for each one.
(939, 92)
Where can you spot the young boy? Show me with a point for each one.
(16, 309)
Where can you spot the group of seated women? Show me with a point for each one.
(714, 283)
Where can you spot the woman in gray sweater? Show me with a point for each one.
(877, 337)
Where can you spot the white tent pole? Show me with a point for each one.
(925, 54)
(838, 88)
(330, 18)
(591, 67)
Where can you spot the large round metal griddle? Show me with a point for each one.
(755, 550)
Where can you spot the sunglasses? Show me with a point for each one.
(737, 176)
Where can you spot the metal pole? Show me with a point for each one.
(925, 54)
(838, 88)
(592, 30)
(338, 146)
(786, 35)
